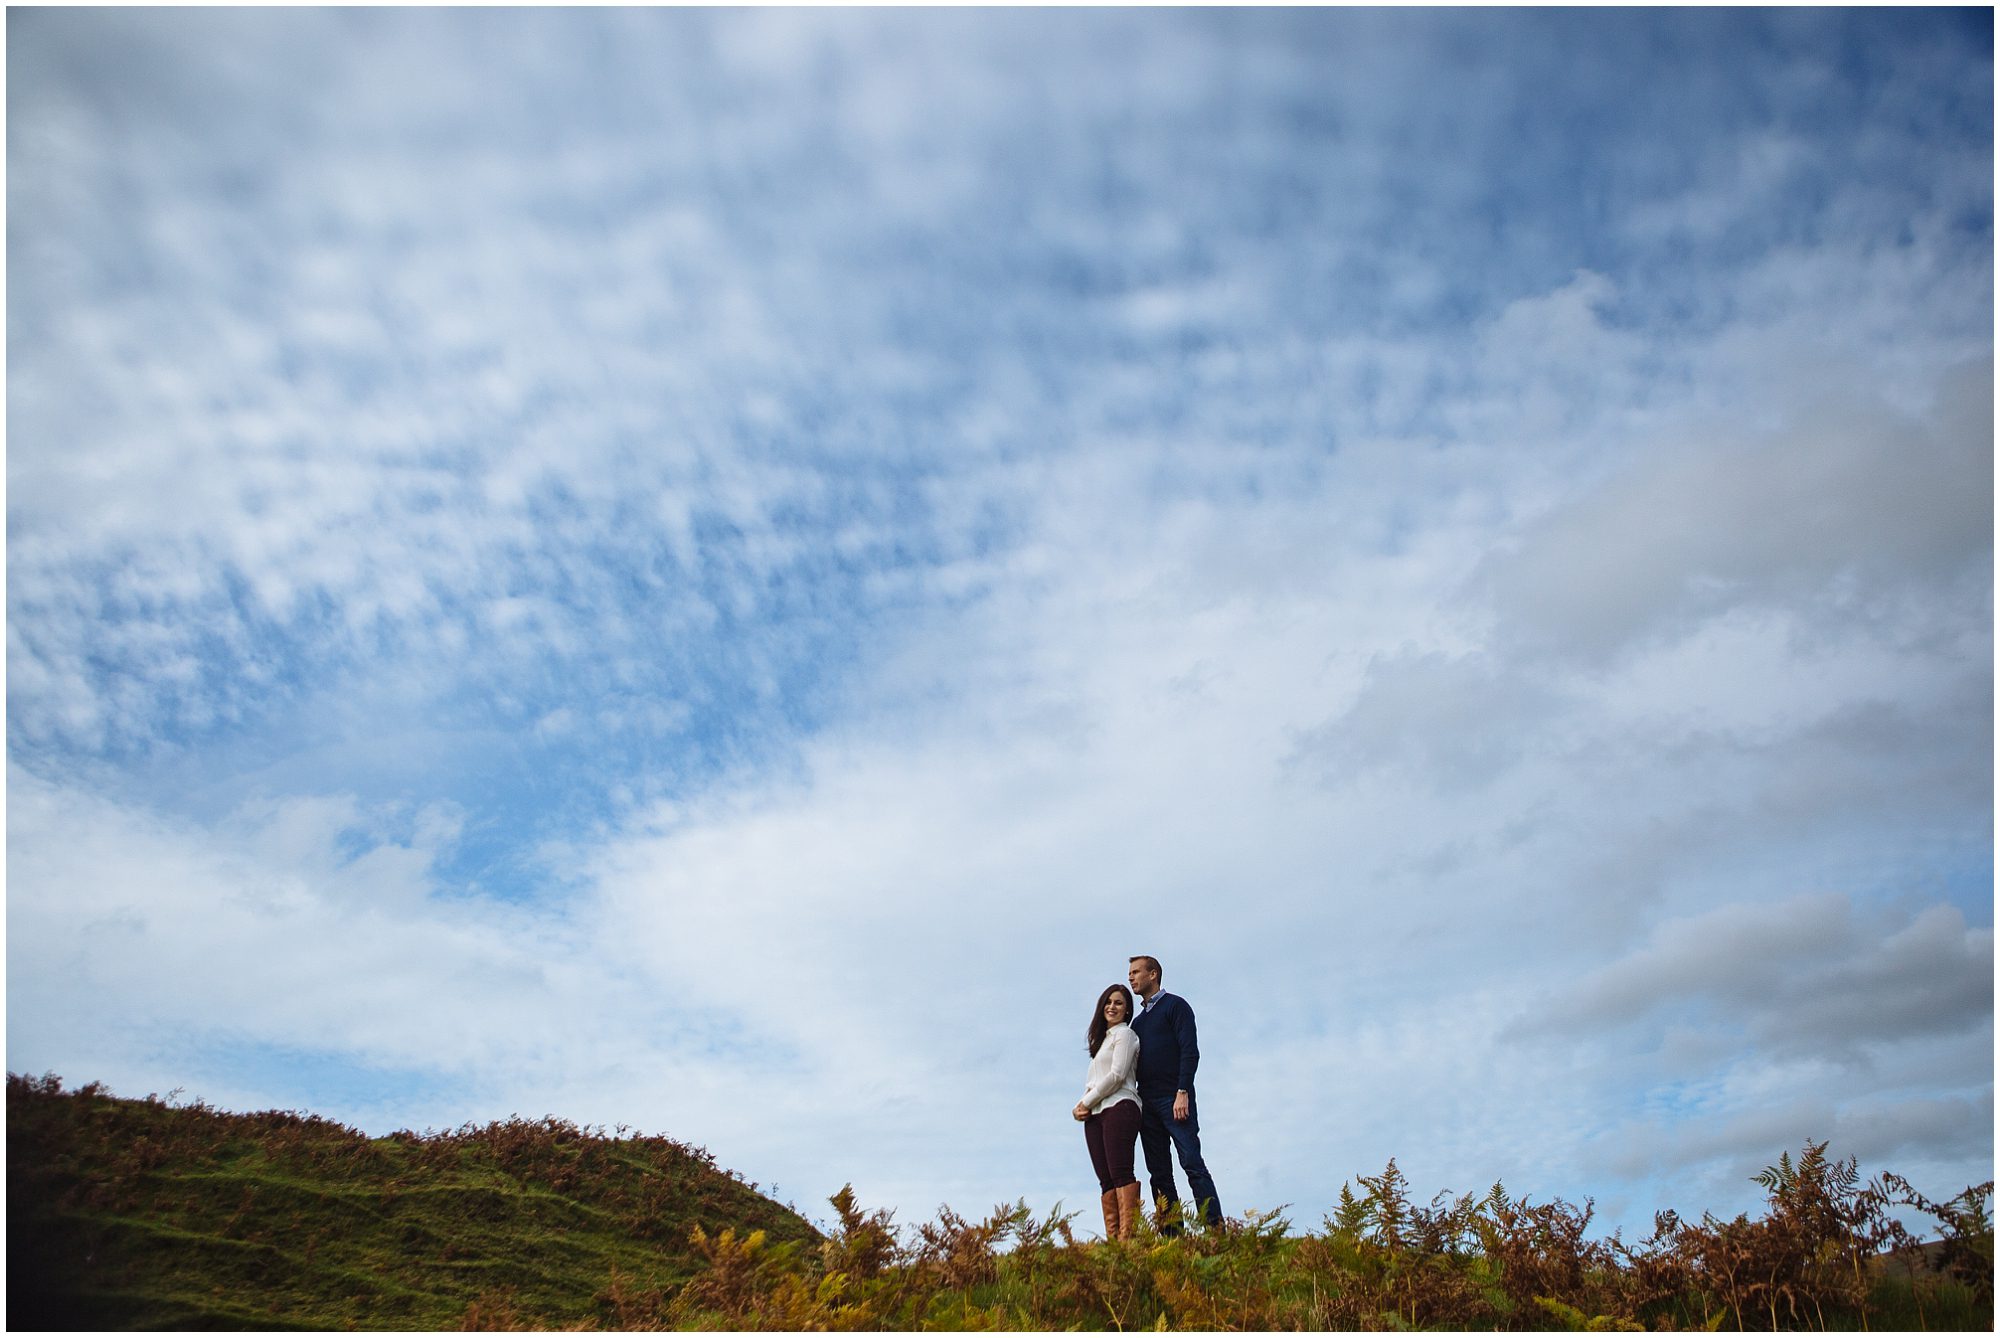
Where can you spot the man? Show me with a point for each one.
(1167, 1059)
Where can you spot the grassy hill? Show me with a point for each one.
(140, 1214)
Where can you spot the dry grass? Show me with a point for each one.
(1813, 1260)
(130, 1214)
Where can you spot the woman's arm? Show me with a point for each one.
(1125, 1059)
(1124, 1064)
(1103, 1087)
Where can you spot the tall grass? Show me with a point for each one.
(1827, 1253)
(151, 1214)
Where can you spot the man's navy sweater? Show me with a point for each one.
(1167, 1053)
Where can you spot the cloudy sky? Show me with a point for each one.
(721, 571)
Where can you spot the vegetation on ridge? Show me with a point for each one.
(1826, 1255)
(140, 1214)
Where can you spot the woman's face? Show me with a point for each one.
(1114, 1009)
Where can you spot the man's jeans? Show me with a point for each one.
(1156, 1127)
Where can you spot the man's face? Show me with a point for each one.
(1143, 979)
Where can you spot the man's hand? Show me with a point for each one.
(1081, 1113)
(1180, 1105)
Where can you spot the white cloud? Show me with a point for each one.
(268, 931)
(1848, 505)
(1797, 974)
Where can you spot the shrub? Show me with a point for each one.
(1381, 1261)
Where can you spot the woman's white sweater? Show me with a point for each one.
(1114, 1071)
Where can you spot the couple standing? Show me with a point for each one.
(1141, 1087)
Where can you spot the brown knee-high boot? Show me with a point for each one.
(1110, 1201)
(1128, 1209)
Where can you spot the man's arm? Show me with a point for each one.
(1190, 1056)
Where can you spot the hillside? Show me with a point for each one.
(141, 1214)
(145, 1214)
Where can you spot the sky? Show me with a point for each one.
(720, 571)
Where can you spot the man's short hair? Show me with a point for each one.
(1152, 963)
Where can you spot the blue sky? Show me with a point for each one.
(721, 570)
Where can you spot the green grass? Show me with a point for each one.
(140, 1214)
(143, 1214)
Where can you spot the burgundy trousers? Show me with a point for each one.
(1110, 1136)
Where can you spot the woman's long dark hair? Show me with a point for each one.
(1098, 1026)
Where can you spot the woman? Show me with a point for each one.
(1110, 1109)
